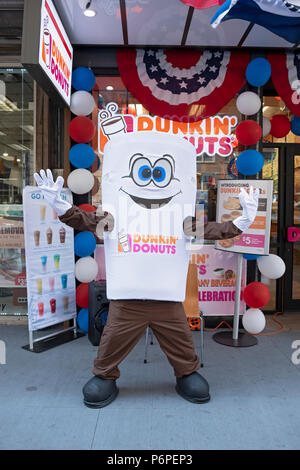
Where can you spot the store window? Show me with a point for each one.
(16, 170)
(275, 105)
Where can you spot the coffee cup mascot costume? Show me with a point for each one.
(149, 192)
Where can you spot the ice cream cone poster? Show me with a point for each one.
(49, 250)
(56, 52)
(213, 136)
(256, 239)
(216, 277)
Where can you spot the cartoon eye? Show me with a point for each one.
(141, 171)
(162, 172)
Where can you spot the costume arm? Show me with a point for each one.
(96, 222)
(210, 230)
(220, 231)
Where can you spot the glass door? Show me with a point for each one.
(292, 228)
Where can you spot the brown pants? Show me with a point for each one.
(126, 324)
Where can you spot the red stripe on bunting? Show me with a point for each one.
(280, 78)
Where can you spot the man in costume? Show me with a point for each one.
(149, 192)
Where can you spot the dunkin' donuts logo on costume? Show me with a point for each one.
(212, 135)
(138, 243)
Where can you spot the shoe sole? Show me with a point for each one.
(190, 399)
(102, 404)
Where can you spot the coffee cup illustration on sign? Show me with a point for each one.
(65, 300)
(112, 124)
(36, 236)
(49, 235)
(124, 243)
(43, 209)
(62, 235)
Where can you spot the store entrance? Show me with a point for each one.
(283, 166)
(291, 241)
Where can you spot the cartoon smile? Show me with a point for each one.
(150, 203)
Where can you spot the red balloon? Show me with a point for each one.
(82, 129)
(248, 132)
(280, 126)
(256, 294)
(82, 295)
(87, 207)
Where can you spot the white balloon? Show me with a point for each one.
(266, 126)
(86, 269)
(254, 321)
(80, 181)
(271, 266)
(248, 103)
(82, 103)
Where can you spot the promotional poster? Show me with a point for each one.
(49, 247)
(216, 280)
(256, 239)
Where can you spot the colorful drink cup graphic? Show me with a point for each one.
(53, 305)
(64, 281)
(49, 235)
(36, 236)
(43, 212)
(39, 286)
(124, 242)
(65, 300)
(41, 309)
(44, 262)
(62, 235)
(46, 37)
(56, 259)
(51, 281)
(55, 216)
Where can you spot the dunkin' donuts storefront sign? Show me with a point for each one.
(213, 135)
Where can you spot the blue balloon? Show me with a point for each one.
(84, 244)
(83, 320)
(250, 162)
(82, 156)
(258, 71)
(295, 125)
(83, 79)
(250, 257)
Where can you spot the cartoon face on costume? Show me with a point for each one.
(157, 173)
(150, 170)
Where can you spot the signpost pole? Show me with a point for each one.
(236, 338)
(237, 299)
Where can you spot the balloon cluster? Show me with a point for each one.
(257, 294)
(249, 132)
(81, 181)
(250, 162)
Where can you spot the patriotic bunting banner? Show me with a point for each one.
(286, 78)
(182, 85)
(279, 16)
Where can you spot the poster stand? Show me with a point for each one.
(235, 338)
(52, 340)
(255, 241)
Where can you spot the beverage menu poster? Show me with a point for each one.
(50, 264)
(256, 239)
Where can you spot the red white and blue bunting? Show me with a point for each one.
(182, 85)
(286, 78)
